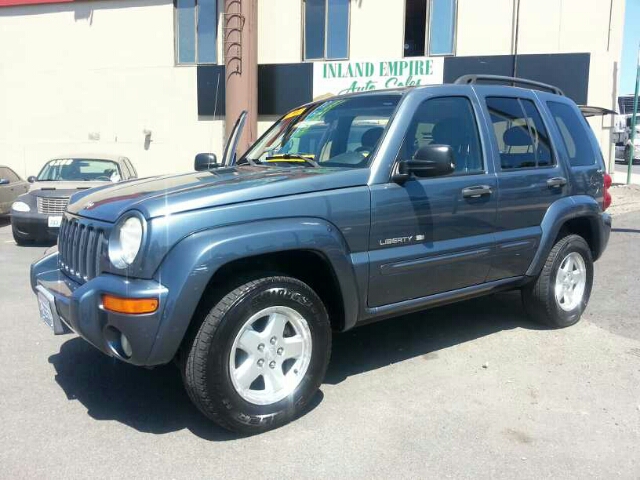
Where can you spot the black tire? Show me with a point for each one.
(539, 297)
(206, 370)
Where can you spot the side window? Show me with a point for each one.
(522, 138)
(132, 169)
(13, 176)
(574, 137)
(446, 121)
(10, 174)
(124, 166)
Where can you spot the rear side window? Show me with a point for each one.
(572, 129)
(522, 138)
(6, 172)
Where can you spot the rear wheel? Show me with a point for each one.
(561, 292)
(260, 355)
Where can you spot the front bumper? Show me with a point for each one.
(33, 226)
(79, 308)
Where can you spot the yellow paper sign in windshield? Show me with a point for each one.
(294, 113)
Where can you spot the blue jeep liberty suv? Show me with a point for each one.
(347, 210)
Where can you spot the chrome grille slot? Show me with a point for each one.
(80, 247)
(52, 205)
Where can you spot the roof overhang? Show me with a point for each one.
(588, 111)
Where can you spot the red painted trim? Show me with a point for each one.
(12, 3)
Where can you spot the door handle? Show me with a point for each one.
(476, 191)
(556, 182)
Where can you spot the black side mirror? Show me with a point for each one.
(428, 161)
(4, 181)
(31, 179)
(205, 161)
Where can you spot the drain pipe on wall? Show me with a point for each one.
(516, 33)
(240, 37)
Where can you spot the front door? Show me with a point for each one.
(432, 235)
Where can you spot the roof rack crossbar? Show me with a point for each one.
(473, 79)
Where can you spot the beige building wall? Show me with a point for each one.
(95, 84)
(485, 27)
(280, 31)
(377, 29)
(105, 72)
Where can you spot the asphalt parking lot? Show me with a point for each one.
(465, 391)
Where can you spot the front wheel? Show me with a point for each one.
(561, 292)
(260, 355)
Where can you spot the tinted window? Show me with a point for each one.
(4, 173)
(326, 29)
(522, 138)
(572, 129)
(446, 121)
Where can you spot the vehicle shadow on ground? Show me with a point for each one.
(154, 401)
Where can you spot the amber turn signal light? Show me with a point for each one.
(134, 306)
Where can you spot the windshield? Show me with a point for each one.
(79, 170)
(340, 132)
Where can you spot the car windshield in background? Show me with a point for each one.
(340, 132)
(79, 170)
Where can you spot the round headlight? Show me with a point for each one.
(125, 242)
(20, 207)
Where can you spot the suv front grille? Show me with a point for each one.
(52, 205)
(80, 249)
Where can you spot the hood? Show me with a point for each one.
(159, 196)
(62, 189)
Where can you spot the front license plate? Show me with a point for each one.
(54, 222)
(45, 310)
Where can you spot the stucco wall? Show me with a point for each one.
(105, 69)
(91, 76)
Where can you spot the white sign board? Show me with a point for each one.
(336, 78)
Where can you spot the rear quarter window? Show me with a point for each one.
(574, 136)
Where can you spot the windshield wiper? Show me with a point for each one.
(292, 158)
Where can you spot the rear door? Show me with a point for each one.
(530, 176)
(5, 190)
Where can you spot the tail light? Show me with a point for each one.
(606, 202)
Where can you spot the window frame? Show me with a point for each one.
(552, 148)
(176, 36)
(326, 36)
(427, 46)
(485, 158)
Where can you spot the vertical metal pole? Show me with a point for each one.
(634, 120)
(241, 67)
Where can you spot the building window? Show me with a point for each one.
(326, 29)
(441, 15)
(196, 31)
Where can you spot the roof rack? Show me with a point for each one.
(514, 81)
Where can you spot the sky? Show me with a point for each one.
(630, 47)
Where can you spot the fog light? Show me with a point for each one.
(126, 346)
